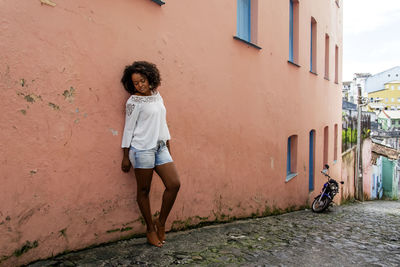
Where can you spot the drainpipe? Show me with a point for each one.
(359, 176)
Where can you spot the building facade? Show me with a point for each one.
(253, 98)
(385, 99)
(369, 83)
(350, 88)
(377, 82)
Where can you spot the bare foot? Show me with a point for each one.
(160, 231)
(152, 239)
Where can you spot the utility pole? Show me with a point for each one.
(359, 175)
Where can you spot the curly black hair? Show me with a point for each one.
(149, 70)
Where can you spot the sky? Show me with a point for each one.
(371, 36)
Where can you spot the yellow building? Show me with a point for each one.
(387, 98)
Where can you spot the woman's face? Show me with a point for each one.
(141, 84)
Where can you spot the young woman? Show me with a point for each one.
(145, 143)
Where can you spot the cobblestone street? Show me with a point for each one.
(362, 234)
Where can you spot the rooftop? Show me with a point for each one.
(390, 114)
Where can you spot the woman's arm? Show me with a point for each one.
(131, 115)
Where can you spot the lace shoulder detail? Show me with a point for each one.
(129, 108)
(145, 99)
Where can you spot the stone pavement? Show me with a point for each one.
(362, 234)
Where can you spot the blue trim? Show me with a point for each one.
(289, 157)
(243, 23)
(311, 162)
(249, 21)
(290, 176)
(291, 62)
(244, 41)
(291, 57)
(159, 2)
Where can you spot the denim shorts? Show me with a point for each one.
(148, 159)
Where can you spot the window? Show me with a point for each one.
(327, 56)
(398, 99)
(336, 64)
(386, 86)
(335, 143)
(325, 154)
(291, 161)
(311, 164)
(392, 87)
(392, 99)
(247, 22)
(313, 46)
(293, 30)
(386, 99)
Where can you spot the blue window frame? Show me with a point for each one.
(289, 157)
(244, 20)
(291, 26)
(291, 160)
(311, 161)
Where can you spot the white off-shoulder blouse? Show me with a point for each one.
(145, 122)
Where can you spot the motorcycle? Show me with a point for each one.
(330, 189)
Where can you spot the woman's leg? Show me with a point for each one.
(143, 180)
(170, 178)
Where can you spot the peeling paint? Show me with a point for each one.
(114, 132)
(23, 111)
(33, 172)
(69, 94)
(76, 121)
(25, 248)
(22, 81)
(31, 98)
(63, 232)
(112, 231)
(25, 216)
(119, 230)
(48, 2)
(54, 106)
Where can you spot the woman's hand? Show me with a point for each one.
(126, 164)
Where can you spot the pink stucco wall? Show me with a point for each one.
(230, 108)
(348, 171)
(347, 190)
(367, 167)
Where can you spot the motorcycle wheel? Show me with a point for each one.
(320, 205)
